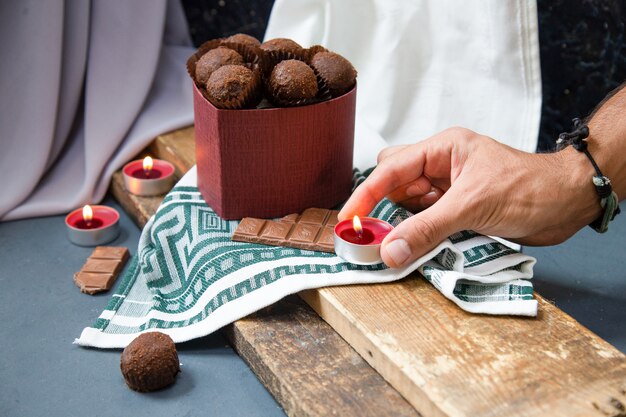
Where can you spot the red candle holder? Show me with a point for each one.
(361, 247)
(101, 228)
(156, 180)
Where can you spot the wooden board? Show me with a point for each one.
(140, 209)
(447, 362)
(303, 362)
(450, 363)
(309, 368)
(177, 147)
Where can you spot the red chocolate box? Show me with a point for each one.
(275, 161)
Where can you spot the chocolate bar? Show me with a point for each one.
(311, 230)
(101, 269)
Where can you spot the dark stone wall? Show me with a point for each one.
(582, 47)
(210, 19)
(583, 57)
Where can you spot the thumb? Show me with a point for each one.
(423, 231)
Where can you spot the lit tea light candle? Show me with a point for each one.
(148, 177)
(148, 164)
(358, 240)
(92, 225)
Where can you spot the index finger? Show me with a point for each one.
(431, 157)
(391, 173)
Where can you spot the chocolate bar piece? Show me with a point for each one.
(312, 230)
(110, 252)
(101, 269)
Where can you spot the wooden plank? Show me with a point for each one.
(447, 362)
(303, 362)
(309, 368)
(177, 147)
(450, 363)
(140, 209)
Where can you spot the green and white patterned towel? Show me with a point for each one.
(188, 278)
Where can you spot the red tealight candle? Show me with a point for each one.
(356, 234)
(87, 221)
(358, 240)
(148, 176)
(148, 171)
(92, 225)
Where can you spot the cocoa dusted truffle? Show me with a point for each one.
(231, 86)
(293, 80)
(150, 362)
(282, 45)
(243, 38)
(336, 71)
(214, 59)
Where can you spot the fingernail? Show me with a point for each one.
(429, 199)
(399, 251)
(413, 190)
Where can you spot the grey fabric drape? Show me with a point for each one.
(84, 86)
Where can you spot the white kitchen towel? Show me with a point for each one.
(189, 279)
(426, 65)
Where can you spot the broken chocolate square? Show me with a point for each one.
(101, 269)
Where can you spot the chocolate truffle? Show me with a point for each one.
(150, 362)
(243, 38)
(231, 86)
(336, 71)
(281, 45)
(214, 59)
(293, 80)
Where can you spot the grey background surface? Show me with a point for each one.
(586, 278)
(41, 312)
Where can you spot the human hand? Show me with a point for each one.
(465, 181)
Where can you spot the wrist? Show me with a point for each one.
(577, 184)
(604, 146)
(607, 135)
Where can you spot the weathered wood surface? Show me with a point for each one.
(450, 363)
(140, 209)
(309, 368)
(446, 362)
(177, 147)
(304, 363)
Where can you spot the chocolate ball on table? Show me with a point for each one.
(231, 87)
(336, 71)
(282, 45)
(214, 59)
(243, 38)
(150, 362)
(293, 80)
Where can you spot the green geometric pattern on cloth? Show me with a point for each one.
(188, 278)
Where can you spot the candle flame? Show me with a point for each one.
(147, 164)
(87, 213)
(356, 224)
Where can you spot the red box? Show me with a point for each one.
(273, 162)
